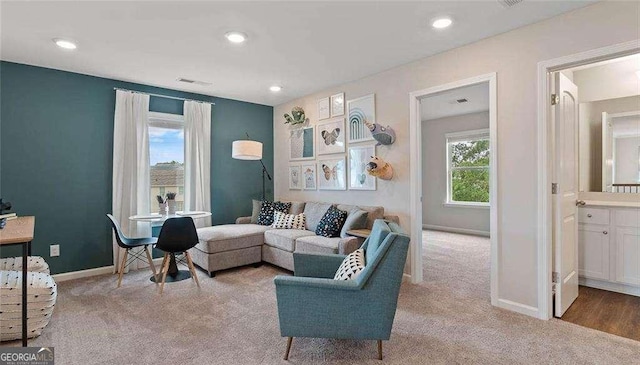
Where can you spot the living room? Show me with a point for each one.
(208, 84)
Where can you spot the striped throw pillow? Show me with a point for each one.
(288, 221)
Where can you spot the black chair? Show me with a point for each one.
(130, 243)
(177, 236)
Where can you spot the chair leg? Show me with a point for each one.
(192, 268)
(286, 354)
(165, 270)
(153, 267)
(122, 266)
(379, 349)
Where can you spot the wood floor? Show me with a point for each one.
(607, 311)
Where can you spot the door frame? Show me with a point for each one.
(545, 158)
(415, 148)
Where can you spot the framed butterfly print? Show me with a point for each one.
(359, 157)
(330, 137)
(310, 177)
(359, 111)
(332, 174)
(295, 178)
(301, 144)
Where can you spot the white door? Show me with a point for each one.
(607, 153)
(566, 197)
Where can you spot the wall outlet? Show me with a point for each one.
(54, 250)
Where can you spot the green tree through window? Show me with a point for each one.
(469, 169)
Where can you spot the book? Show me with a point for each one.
(8, 215)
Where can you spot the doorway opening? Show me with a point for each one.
(590, 188)
(453, 179)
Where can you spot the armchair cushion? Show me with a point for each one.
(351, 266)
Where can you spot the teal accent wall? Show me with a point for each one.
(56, 148)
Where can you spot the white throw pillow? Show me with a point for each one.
(351, 266)
(288, 221)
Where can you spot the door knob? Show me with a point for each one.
(589, 215)
(605, 232)
(580, 203)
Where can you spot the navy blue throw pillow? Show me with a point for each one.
(267, 210)
(331, 223)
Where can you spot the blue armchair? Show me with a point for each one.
(312, 304)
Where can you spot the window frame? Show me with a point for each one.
(450, 138)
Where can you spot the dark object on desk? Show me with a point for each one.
(128, 244)
(4, 206)
(177, 236)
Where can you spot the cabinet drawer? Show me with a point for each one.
(627, 217)
(593, 215)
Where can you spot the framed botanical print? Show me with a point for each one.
(332, 174)
(309, 176)
(337, 105)
(361, 110)
(324, 108)
(295, 179)
(359, 178)
(301, 144)
(331, 137)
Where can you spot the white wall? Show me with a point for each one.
(609, 81)
(626, 159)
(434, 174)
(514, 57)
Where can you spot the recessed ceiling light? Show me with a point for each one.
(65, 43)
(441, 23)
(236, 37)
(275, 88)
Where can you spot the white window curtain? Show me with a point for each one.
(130, 167)
(197, 159)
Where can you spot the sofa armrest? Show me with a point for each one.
(392, 218)
(347, 245)
(243, 220)
(316, 265)
(282, 282)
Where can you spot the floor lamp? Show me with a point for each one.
(250, 150)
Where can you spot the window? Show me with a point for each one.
(468, 168)
(166, 155)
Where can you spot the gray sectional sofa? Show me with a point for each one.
(244, 243)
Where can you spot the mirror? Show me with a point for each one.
(609, 127)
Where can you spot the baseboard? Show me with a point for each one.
(473, 232)
(72, 275)
(615, 287)
(518, 308)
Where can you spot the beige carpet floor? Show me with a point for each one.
(233, 320)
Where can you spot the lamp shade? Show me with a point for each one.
(246, 150)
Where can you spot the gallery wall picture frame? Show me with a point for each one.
(359, 178)
(332, 174)
(337, 105)
(295, 177)
(310, 176)
(302, 144)
(360, 110)
(324, 108)
(330, 137)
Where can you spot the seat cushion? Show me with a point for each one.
(375, 212)
(285, 239)
(313, 212)
(230, 237)
(318, 244)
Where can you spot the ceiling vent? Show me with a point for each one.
(460, 101)
(509, 3)
(195, 82)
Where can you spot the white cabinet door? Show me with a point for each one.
(593, 251)
(628, 255)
